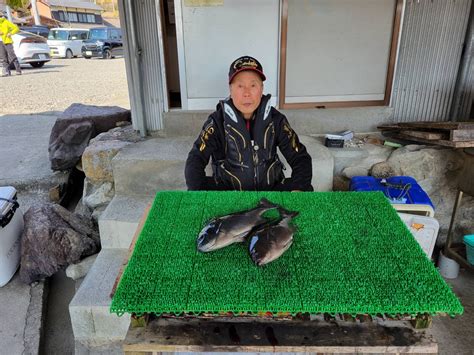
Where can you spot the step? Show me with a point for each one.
(156, 164)
(119, 221)
(92, 323)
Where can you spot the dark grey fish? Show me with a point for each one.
(271, 241)
(233, 228)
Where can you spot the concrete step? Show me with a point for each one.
(92, 323)
(156, 164)
(119, 221)
(144, 168)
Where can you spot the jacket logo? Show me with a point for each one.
(292, 137)
(206, 132)
(230, 112)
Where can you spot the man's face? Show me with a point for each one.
(246, 92)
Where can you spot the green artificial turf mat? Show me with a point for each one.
(352, 254)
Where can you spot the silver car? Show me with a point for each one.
(31, 49)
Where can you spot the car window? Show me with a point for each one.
(58, 35)
(84, 34)
(98, 33)
(114, 34)
(73, 35)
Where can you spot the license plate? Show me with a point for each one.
(88, 52)
(42, 56)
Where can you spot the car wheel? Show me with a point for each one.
(37, 64)
(107, 54)
(87, 57)
(69, 54)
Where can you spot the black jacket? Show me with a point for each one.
(244, 160)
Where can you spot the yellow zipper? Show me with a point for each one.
(237, 146)
(240, 134)
(265, 136)
(268, 172)
(235, 177)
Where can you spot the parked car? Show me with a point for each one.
(66, 42)
(31, 49)
(103, 42)
(42, 31)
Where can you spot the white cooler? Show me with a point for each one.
(11, 227)
(424, 229)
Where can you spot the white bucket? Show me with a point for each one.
(448, 268)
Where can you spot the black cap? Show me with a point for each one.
(245, 63)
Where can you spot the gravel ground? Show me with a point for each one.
(62, 82)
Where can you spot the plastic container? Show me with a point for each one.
(424, 229)
(448, 268)
(469, 241)
(398, 189)
(11, 227)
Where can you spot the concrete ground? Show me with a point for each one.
(62, 82)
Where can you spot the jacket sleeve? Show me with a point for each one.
(198, 158)
(12, 28)
(296, 155)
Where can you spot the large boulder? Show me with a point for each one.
(437, 171)
(72, 131)
(52, 239)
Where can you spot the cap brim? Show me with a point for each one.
(262, 76)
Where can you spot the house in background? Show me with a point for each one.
(64, 13)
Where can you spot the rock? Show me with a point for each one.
(72, 131)
(76, 271)
(340, 183)
(52, 239)
(382, 170)
(97, 160)
(436, 170)
(82, 210)
(97, 195)
(352, 171)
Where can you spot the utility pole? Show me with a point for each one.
(34, 10)
(9, 13)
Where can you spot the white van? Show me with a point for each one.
(66, 42)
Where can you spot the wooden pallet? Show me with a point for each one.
(237, 335)
(450, 134)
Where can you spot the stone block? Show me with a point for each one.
(92, 323)
(150, 166)
(118, 223)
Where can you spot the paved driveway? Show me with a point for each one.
(62, 82)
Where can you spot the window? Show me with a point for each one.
(72, 16)
(62, 17)
(90, 18)
(346, 62)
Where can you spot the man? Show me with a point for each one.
(7, 53)
(242, 137)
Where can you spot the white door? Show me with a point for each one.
(211, 37)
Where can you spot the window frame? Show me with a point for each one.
(390, 70)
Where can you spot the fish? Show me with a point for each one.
(269, 242)
(233, 228)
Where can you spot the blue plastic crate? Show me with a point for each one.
(398, 189)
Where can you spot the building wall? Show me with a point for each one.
(428, 60)
(43, 9)
(430, 51)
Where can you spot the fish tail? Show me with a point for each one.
(287, 213)
(267, 204)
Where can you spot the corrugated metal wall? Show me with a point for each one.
(147, 22)
(140, 20)
(428, 60)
